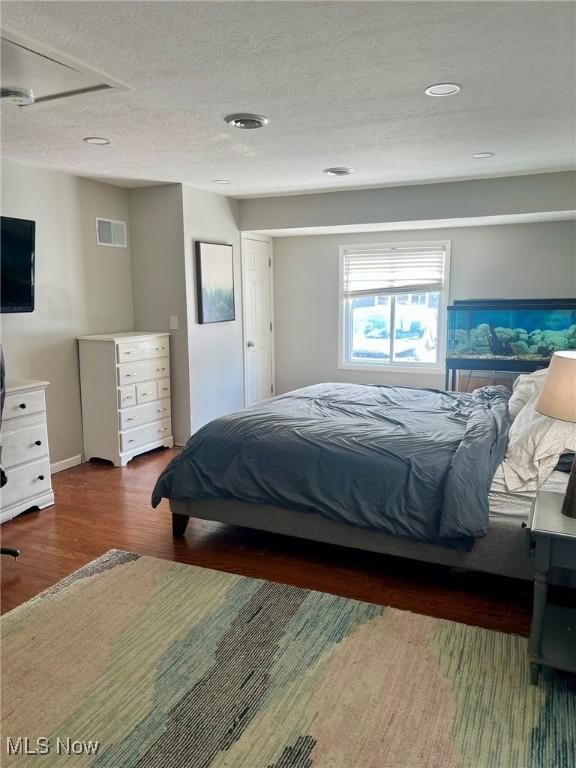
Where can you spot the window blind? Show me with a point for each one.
(379, 270)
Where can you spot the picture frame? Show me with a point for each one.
(215, 282)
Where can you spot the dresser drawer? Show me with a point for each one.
(135, 438)
(132, 373)
(127, 352)
(24, 403)
(146, 392)
(26, 482)
(142, 414)
(126, 396)
(24, 445)
(164, 388)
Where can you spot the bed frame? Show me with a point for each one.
(504, 551)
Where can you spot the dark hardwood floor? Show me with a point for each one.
(99, 507)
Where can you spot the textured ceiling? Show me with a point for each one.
(342, 84)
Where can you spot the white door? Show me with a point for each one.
(258, 333)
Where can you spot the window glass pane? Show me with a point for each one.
(416, 329)
(370, 328)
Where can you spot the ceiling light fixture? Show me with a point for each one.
(220, 181)
(481, 155)
(246, 120)
(21, 97)
(98, 140)
(443, 89)
(338, 171)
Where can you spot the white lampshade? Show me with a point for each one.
(558, 396)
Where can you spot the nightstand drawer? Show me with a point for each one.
(132, 373)
(127, 396)
(128, 352)
(563, 555)
(142, 414)
(23, 404)
(146, 392)
(26, 482)
(24, 445)
(145, 435)
(164, 388)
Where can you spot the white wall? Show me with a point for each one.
(215, 349)
(512, 261)
(159, 282)
(206, 360)
(81, 288)
(533, 194)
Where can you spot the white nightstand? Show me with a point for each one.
(553, 631)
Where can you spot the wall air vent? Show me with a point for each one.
(111, 233)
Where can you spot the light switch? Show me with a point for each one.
(173, 322)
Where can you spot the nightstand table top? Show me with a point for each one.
(548, 519)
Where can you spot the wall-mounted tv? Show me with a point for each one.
(17, 240)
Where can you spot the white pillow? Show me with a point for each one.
(525, 388)
(535, 443)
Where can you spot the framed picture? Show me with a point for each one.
(214, 282)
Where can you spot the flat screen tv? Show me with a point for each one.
(17, 264)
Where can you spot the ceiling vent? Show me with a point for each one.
(33, 68)
(112, 233)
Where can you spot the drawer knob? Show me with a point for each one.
(127, 397)
(131, 440)
(22, 405)
(128, 375)
(40, 477)
(130, 419)
(127, 353)
(145, 394)
(38, 442)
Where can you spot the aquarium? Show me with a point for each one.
(528, 330)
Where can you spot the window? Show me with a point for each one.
(393, 301)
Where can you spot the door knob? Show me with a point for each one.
(250, 344)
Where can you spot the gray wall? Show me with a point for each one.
(548, 192)
(81, 288)
(215, 349)
(159, 284)
(206, 360)
(509, 261)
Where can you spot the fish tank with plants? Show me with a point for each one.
(526, 332)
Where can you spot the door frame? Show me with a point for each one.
(264, 239)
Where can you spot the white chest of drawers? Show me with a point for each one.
(125, 382)
(25, 455)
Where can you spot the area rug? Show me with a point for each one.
(135, 661)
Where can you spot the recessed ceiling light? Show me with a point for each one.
(246, 121)
(99, 140)
(21, 97)
(338, 171)
(481, 155)
(220, 181)
(443, 89)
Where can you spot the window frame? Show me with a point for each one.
(344, 337)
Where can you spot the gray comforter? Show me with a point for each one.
(409, 462)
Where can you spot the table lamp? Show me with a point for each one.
(558, 400)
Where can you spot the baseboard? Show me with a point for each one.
(60, 466)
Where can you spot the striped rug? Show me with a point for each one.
(134, 661)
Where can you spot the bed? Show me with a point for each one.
(396, 470)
